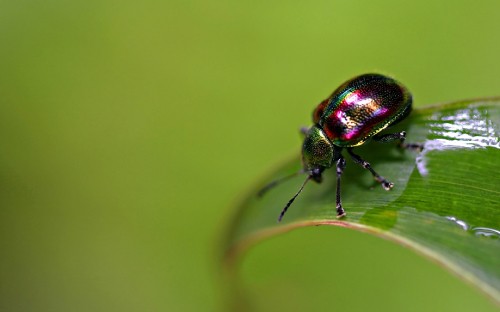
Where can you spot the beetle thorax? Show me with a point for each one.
(317, 150)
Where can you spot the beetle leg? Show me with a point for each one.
(304, 130)
(391, 137)
(387, 185)
(340, 169)
(401, 136)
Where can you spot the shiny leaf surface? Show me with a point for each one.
(445, 203)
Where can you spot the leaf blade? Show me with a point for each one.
(444, 205)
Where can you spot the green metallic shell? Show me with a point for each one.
(317, 150)
(361, 108)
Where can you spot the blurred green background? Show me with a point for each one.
(129, 129)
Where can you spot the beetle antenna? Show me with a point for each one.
(278, 181)
(293, 198)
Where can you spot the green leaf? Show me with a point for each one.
(445, 203)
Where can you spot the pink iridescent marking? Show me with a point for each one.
(352, 98)
(359, 111)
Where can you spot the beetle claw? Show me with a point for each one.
(387, 185)
(340, 212)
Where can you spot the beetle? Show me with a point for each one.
(357, 111)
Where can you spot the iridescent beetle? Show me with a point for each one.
(355, 112)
